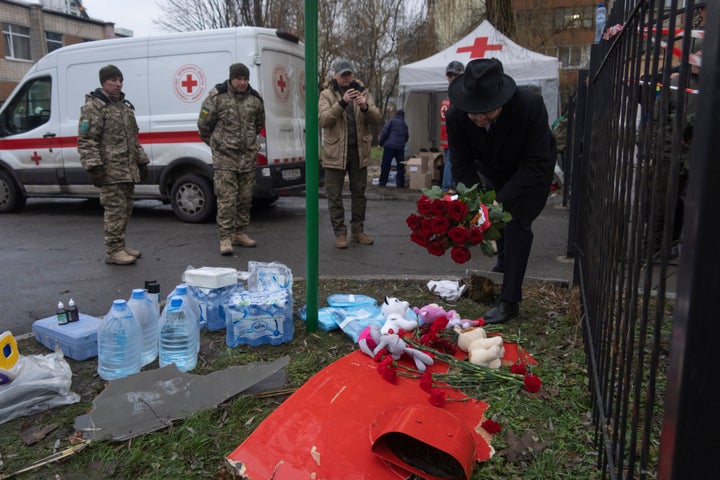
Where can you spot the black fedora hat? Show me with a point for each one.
(482, 88)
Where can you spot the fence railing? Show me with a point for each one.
(643, 223)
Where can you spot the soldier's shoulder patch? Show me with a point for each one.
(204, 112)
(84, 124)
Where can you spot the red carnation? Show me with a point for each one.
(424, 205)
(458, 235)
(437, 248)
(421, 238)
(426, 382)
(532, 383)
(518, 368)
(460, 254)
(440, 225)
(475, 235)
(437, 397)
(457, 210)
(387, 370)
(491, 426)
(413, 221)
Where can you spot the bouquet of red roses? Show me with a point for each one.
(457, 222)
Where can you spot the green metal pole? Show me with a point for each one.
(312, 168)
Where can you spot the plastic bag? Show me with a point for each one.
(42, 382)
(447, 289)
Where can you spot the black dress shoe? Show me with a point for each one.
(501, 312)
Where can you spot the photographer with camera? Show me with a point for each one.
(346, 111)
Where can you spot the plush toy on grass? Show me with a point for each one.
(428, 313)
(482, 350)
(373, 340)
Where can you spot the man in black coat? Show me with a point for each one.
(501, 132)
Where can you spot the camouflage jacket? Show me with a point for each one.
(334, 127)
(229, 122)
(108, 138)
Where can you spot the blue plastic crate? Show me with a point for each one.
(78, 340)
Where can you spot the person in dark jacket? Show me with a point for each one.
(393, 137)
(501, 132)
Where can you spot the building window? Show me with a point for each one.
(53, 41)
(571, 57)
(17, 41)
(574, 17)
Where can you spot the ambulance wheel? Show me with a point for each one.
(192, 198)
(12, 197)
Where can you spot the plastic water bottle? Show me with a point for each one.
(152, 289)
(179, 336)
(119, 343)
(600, 20)
(189, 301)
(144, 311)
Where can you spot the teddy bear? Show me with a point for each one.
(482, 350)
(394, 344)
(394, 310)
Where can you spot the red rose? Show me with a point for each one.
(426, 226)
(424, 205)
(413, 221)
(437, 248)
(439, 207)
(518, 368)
(437, 397)
(440, 224)
(475, 235)
(420, 238)
(460, 254)
(458, 235)
(457, 210)
(491, 426)
(532, 383)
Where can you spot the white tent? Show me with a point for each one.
(423, 85)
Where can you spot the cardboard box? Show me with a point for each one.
(78, 340)
(417, 165)
(435, 162)
(419, 181)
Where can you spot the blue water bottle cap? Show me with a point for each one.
(176, 301)
(138, 293)
(601, 5)
(119, 302)
(181, 289)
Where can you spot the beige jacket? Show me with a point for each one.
(334, 128)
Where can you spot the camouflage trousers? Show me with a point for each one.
(334, 184)
(117, 201)
(234, 191)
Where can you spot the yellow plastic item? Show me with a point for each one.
(8, 351)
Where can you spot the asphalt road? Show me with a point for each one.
(53, 250)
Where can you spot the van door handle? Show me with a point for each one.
(49, 135)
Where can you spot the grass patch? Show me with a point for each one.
(547, 435)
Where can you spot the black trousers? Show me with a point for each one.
(512, 258)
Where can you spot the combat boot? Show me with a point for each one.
(120, 258)
(226, 247)
(132, 252)
(362, 239)
(243, 239)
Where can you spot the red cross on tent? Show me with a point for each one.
(480, 47)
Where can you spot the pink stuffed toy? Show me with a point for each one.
(428, 313)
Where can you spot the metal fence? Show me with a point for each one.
(643, 224)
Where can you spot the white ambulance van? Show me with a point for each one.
(166, 78)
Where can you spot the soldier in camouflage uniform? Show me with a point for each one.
(111, 153)
(231, 117)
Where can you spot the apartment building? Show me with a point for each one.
(31, 30)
